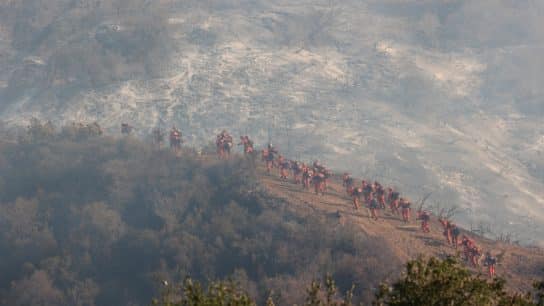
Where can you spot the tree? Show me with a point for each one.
(445, 282)
(191, 293)
(539, 295)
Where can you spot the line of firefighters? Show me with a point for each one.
(372, 194)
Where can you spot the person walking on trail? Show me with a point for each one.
(367, 190)
(270, 154)
(394, 197)
(380, 195)
(475, 255)
(356, 194)
(285, 166)
(247, 143)
(405, 207)
(175, 139)
(446, 225)
(347, 182)
(296, 167)
(455, 232)
(223, 142)
(345, 178)
(373, 205)
(319, 180)
(490, 261)
(425, 217)
(471, 251)
(307, 175)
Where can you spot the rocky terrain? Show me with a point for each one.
(437, 96)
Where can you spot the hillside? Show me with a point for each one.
(445, 95)
(519, 265)
(87, 219)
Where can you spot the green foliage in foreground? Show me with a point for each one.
(446, 282)
(191, 293)
(425, 282)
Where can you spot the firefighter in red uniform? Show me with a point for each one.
(175, 138)
(394, 204)
(284, 165)
(318, 180)
(490, 261)
(380, 195)
(405, 207)
(425, 217)
(356, 194)
(247, 143)
(446, 225)
(296, 167)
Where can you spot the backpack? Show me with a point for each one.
(455, 232)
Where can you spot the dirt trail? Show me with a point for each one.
(519, 265)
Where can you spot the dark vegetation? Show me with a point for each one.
(91, 220)
(425, 282)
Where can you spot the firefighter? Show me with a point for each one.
(284, 165)
(425, 217)
(223, 142)
(270, 151)
(373, 205)
(175, 138)
(247, 143)
(471, 252)
(356, 194)
(446, 225)
(347, 181)
(393, 198)
(296, 167)
(455, 232)
(380, 196)
(405, 207)
(307, 175)
(367, 190)
(490, 261)
(345, 178)
(475, 255)
(318, 180)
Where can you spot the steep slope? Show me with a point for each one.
(519, 265)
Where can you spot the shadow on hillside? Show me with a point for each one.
(430, 241)
(408, 228)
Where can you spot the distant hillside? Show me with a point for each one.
(435, 95)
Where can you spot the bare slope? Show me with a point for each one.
(520, 266)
